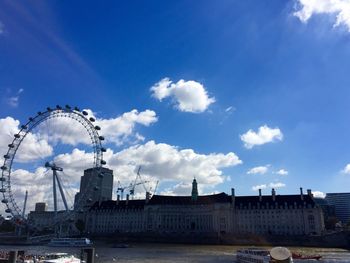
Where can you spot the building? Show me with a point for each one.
(96, 185)
(341, 202)
(40, 207)
(210, 214)
(328, 212)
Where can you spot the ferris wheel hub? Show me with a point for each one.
(53, 166)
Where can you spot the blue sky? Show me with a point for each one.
(261, 63)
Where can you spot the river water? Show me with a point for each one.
(153, 252)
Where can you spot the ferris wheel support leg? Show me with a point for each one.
(54, 193)
(62, 193)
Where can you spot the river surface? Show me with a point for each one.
(152, 252)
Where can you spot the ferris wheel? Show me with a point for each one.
(45, 160)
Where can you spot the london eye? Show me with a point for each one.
(45, 160)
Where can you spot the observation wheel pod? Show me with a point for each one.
(83, 120)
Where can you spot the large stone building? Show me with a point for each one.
(210, 214)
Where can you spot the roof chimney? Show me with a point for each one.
(301, 193)
(148, 196)
(260, 197)
(118, 199)
(127, 199)
(273, 194)
(309, 193)
(233, 196)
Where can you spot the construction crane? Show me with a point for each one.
(138, 181)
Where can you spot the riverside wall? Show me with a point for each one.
(334, 240)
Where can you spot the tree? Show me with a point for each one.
(7, 226)
(330, 222)
(80, 225)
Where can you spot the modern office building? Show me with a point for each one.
(40, 207)
(341, 202)
(96, 185)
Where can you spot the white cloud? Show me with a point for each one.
(168, 163)
(118, 130)
(2, 28)
(282, 172)
(230, 109)
(318, 194)
(346, 170)
(338, 8)
(32, 147)
(277, 185)
(188, 96)
(264, 135)
(179, 189)
(258, 170)
(13, 101)
(257, 187)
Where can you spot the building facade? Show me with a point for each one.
(209, 214)
(96, 185)
(341, 203)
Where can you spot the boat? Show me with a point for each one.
(260, 255)
(120, 245)
(70, 242)
(59, 258)
(300, 256)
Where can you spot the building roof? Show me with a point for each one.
(187, 200)
(240, 201)
(114, 205)
(280, 200)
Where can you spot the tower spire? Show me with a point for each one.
(194, 190)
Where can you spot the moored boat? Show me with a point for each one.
(260, 255)
(60, 258)
(301, 256)
(70, 242)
